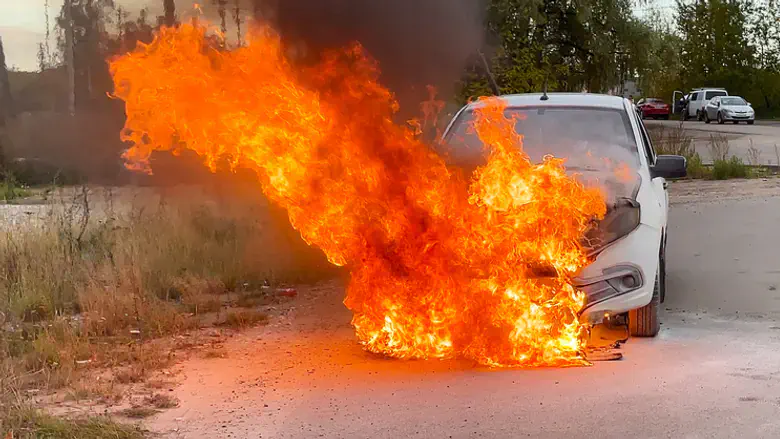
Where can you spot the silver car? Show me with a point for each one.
(729, 108)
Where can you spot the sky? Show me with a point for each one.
(23, 24)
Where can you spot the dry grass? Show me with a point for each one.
(138, 412)
(161, 401)
(719, 147)
(244, 318)
(103, 276)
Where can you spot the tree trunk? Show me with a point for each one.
(69, 58)
(170, 13)
(222, 10)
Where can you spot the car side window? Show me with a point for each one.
(646, 145)
(695, 97)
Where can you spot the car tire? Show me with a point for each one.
(666, 117)
(698, 115)
(645, 322)
(707, 117)
(720, 119)
(750, 122)
(736, 122)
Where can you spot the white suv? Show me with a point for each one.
(628, 247)
(698, 100)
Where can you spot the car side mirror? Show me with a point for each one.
(669, 166)
(749, 104)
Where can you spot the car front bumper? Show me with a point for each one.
(622, 277)
(738, 116)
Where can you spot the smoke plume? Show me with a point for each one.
(416, 42)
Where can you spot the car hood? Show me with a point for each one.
(741, 108)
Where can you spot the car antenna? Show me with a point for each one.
(544, 90)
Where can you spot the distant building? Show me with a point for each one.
(630, 88)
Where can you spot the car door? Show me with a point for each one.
(693, 103)
(659, 184)
(712, 107)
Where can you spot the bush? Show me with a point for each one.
(731, 168)
(696, 168)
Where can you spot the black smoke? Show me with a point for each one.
(416, 42)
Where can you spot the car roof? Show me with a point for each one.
(560, 99)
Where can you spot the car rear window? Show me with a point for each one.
(575, 133)
(712, 94)
(655, 101)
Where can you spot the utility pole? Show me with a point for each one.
(69, 58)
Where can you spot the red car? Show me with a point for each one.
(653, 107)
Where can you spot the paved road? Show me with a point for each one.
(764, 135)
(713, 372)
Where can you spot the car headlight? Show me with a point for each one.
(621, 219)
(727, 111)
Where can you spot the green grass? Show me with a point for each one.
(731, 168)
(28, 423)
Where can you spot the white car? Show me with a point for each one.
(729, 109)
(698, 99)
(626, 279)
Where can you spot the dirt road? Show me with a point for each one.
(713, 372)
(763, 136)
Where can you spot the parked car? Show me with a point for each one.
(627, 276)
(653, 107)
(699, 98)
(729, 108)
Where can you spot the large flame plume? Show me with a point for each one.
(442, 264)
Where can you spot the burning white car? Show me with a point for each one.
(604, 143)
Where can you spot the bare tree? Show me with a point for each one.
(222, 11)
(47, 42)
(237, 20)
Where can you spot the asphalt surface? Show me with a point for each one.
(763, 136)
(713, 372)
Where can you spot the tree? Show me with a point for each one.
(169, 16)
(237, 20)
(222, 11)
(715, 47)
(6, 101)
(83, 26)
(570, 46)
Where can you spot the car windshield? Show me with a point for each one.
(581, 135)
(712, 94)
(732, 100)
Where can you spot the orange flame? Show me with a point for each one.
(441, 266)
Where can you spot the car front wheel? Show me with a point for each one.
(706, 117)
(645, 322)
